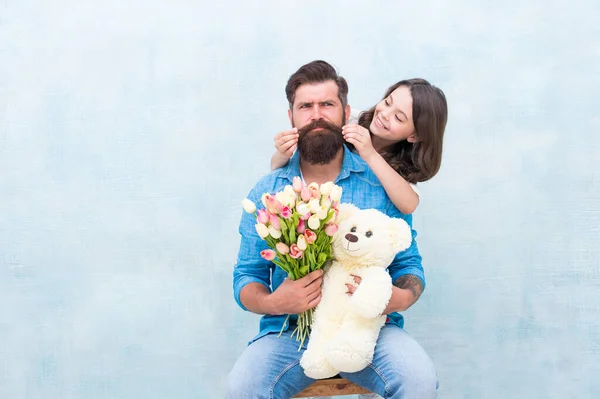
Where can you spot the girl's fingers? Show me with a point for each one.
(286, 146)
(352, 140)
(352, 136)
(289, 133)
(285, 140)
(358, 133)
(286, 134)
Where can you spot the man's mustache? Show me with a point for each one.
(320, 123)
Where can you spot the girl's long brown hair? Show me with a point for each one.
(419, 161)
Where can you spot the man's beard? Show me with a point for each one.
(321, 147)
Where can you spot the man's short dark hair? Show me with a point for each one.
(316, 72)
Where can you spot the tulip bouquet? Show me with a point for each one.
(298, 224)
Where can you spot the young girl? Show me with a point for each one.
(400, 139)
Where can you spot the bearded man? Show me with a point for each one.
(269, 366)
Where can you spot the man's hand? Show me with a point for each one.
(294, 297)
(352, 288)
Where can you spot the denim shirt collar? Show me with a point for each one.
(351, 163)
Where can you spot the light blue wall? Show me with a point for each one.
(130, 131)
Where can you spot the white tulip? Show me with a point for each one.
(291, 199)
(314, 205)
(322, 213)
(314, 222)
(281, 197)
(274, 232)
(302, 209)
(336, 194)
(262, 230)
(326, 188)
(301, 242)
(249, 206)
(325, 203)
(289, 191)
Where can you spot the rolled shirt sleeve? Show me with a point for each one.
(408, 261)
(250, 267)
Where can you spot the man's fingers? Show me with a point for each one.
(312, 276)
(314, 302)
(312, 296)
(315, 285)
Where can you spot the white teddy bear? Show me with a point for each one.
(345, 328)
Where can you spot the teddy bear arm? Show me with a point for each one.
(373, 293)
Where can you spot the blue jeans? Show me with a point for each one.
(269, 368)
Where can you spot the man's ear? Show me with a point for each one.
(290, 116)
(348, 110)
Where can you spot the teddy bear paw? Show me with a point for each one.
(348, 359)
(317, 367)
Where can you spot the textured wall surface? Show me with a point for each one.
(130, 131)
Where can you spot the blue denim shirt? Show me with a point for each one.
(360, 187)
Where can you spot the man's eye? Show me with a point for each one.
(353, 230)
(368, 234)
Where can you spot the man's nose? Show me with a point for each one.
(316, 113)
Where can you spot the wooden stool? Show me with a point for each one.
(331, 387)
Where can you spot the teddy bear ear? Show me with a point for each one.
(345, 211)
(400, 233)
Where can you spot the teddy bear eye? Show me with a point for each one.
(353, 230)
(368, 233)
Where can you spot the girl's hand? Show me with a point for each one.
(360, 138)
(286, 142)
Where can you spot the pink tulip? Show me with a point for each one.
(310, 236)
(330, 229)
(306, 216)
(286, 212)
(295, 252)
(314, 190)
(297, 184)
(273, 205)
(274, 221)
(282, 248)
(306, 194)
(301, 226)
(263, 216)
(268, 254)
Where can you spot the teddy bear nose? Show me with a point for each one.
(351, 237)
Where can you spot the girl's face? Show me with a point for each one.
(392, 121)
